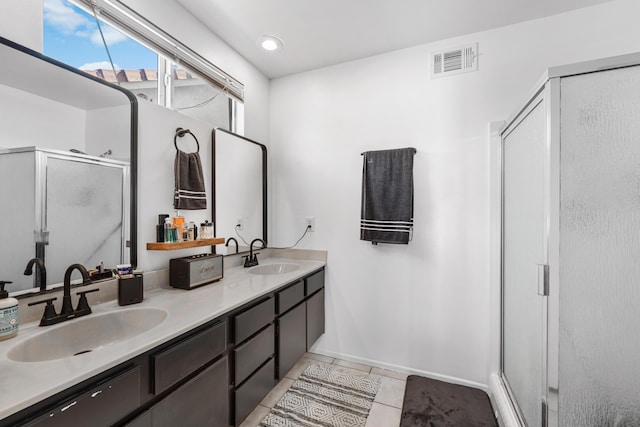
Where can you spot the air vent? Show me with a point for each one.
(454, 61)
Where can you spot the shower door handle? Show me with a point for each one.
(543, 280)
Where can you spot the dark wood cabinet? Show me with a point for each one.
(142, 420)
(315, 317)
(213, 375)
(172, 364)
(100, 405)
(253, 319)
(202, 401)
(314, 283)
(291, 332)
(292, 341)
(252, 391)
(290, 297)
(254, 353)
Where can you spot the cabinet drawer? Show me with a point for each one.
(250, 355)
(180, 360)
(101, 405)
(202, 401)
(290, 297)
(254, 319)
(314, 282)
(253, 391)
(315, 318)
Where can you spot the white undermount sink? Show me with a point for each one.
(86, 334)
(269, 269)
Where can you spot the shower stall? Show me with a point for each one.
(63, 208)
(570, 336)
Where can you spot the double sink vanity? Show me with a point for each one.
(192, 358)
(200, 357)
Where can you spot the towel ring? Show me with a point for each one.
(182, 132)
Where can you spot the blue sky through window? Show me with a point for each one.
(72, 36)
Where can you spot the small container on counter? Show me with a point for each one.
(206, 231)
(123, 269)
(8, 313)
(130, 288)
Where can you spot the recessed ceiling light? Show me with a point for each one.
(270, 43)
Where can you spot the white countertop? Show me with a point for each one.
(23, 384)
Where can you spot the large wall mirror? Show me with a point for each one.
(240, 179)
(68, 164)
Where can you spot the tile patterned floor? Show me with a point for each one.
(387, 406)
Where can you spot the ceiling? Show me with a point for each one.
(317, 34)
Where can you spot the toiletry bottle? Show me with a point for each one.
(191, 231)
(168, 231)
(160, 227)
(178, 223)
(195, 230)
(8, 314)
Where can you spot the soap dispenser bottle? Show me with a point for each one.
(8, 314)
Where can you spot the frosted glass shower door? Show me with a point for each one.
(84, 214)
(599, 319)
(524, 249)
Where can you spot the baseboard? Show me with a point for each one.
(501, 403)
(398, 368)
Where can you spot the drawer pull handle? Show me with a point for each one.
(96, 393)
(68, 406)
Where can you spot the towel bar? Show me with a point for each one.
(414, 151)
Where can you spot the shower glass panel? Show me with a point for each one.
(599, 368)
(524, 248)
(84, 214)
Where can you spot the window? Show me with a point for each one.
(143, 60)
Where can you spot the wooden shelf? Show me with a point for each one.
(161, 246)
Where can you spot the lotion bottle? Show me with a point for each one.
(168, 231)
(8, 314)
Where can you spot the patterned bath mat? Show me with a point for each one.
(325, 396)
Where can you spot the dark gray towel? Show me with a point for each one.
(190, 192)
(387, 196)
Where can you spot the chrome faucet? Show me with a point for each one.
(67, 312)
(229, 240)
(41, 272)
(252, 259)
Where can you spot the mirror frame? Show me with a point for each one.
(132, 242)
(264, 182)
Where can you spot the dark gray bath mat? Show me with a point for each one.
(432, 403)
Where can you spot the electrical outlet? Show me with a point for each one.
(311, 222)
(239, 223)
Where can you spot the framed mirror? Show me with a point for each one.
(240, 179)
(68, 163)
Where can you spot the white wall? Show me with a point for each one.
(156, 177)
(21, 22)
(31, 120)
(425, 306)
